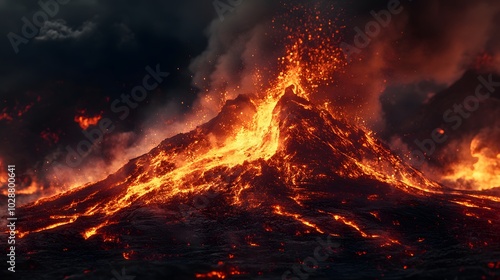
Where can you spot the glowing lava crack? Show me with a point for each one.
(261, 172)
(296, 141)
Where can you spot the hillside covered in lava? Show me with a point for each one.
(249, 194)
(250, 139)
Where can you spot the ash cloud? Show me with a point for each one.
(431, 56)
(83, 58)
(237, 49)
(428, 42)
(434, 40)
(54, 30)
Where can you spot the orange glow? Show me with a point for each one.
(470, 205)
(257, 138)
(55, 225)
(25, 109)
(92, 231)
(85, 122)
(279, 211)
(385, 238)
(212, 274)
(251, 133)
(234, 271)
(353, 225)
(482, 175)
(127, 255)
(5, 116)
(33, 188)
(17, 111)
(376, 215)
(49, 137)
(484, 61)
(3, 176)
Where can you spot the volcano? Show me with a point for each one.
(271, 188)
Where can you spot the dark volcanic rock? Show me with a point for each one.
(329, 182)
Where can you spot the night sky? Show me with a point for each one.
(90, 53)
(84, 58)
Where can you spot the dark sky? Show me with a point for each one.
(89, 53)
(84, 57)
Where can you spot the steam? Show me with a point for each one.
(238, 48)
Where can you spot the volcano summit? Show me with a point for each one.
(253, 194)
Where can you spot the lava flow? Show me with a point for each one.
(249, 192)
(254, 179)
(248, 134)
